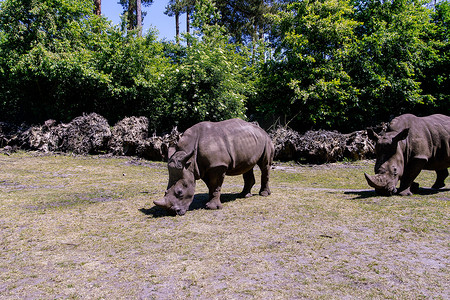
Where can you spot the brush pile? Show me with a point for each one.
(321, 146)
(91, 134)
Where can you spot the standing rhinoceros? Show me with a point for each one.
(410, 144)
(211, 150)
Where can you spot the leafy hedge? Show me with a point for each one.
(330, 64)
(58, 60)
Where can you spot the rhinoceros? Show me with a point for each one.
(211, 150)
(411, 144)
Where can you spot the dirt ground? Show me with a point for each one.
(75, 227)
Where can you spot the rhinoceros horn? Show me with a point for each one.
(161, 203)
(375, 181)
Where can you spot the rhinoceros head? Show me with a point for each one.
(389, 164)
(181, 186)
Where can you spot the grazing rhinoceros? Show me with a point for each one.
(211, 150)
(410, 144)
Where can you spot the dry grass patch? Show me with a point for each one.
(85, 227)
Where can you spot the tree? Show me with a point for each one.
(58, 60)
(393, 50)
(98, 7)
(332, 64)
(139, 17)
(175, 8)
(32, 35)
(246, 20)
(130, 18)
(435, 77)
(213, 81)
(306, 83)
(343, 65)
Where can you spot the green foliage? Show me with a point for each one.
(345, 65)
(339, 64)
(49, 22)
(313, 85)
(390, 56)
(212, 81)
(247, 20)
(68, 61)
(436, 76)
(129, 17)
(36, 35)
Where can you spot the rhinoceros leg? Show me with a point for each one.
(214, 180)
(265, 170)
(440, 179)
(411, 172)
(249, 182)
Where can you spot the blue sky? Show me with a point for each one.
(155, 17)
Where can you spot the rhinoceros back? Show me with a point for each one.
(234, 144)
(429, 138)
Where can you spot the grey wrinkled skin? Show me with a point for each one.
(410, 145)
(211, 150)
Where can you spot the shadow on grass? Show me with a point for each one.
(199, 202)
(430, 191)
(156, 212)
(364, 194)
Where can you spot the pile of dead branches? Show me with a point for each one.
(91, 134)
(321, 146)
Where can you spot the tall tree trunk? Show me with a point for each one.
(139, 17)
(188, 12)
(131, 13)
(177, 26)
(188, 25)
(98, 7)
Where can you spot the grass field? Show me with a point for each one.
(86, 228)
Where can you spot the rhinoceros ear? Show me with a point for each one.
(178, 159)
(401, 136)
(171, 151)
(372, 135)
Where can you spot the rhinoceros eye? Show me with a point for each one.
(395, 171)
(178, 193)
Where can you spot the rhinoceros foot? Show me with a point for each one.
(213, 204)
(406, 192)
(264, 193)
(245, 195)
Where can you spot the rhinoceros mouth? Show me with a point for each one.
(382, 184)
(179, 211)
(163, 203)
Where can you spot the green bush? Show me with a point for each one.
(72, 62)
(332, 64)
(349, 64)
